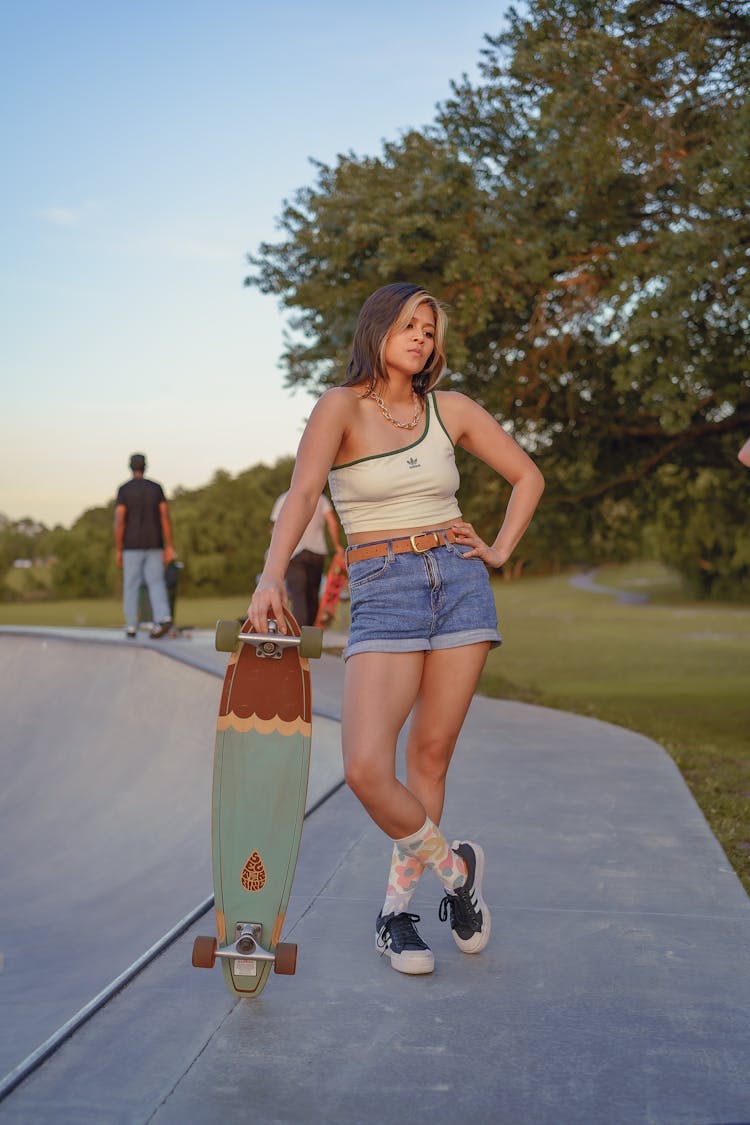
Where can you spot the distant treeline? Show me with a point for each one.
(697, 525)
(221, 533)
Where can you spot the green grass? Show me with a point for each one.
(674, 670)
(103, 613)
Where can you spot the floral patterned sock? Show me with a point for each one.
(403, 877)
(430, 848)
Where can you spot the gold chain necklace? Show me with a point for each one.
(387, 414)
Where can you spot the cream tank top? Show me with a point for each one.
(409, 487)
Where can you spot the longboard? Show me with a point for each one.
(335, 582)
(261, 768)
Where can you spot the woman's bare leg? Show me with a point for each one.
(380, 689)
(379, 692)
(449, 680)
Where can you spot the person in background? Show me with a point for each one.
(143, 546)
(305, 568)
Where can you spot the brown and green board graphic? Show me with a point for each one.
(261, 767)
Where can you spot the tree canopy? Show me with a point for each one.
(582, 211)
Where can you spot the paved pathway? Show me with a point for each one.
(616, 986)
(587, 581)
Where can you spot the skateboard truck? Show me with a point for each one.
(270, 645)
(247, 944)
(246, 947)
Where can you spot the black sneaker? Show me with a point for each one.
(470, 918)
(160, 630)
(397, 937)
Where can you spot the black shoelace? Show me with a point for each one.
(462, 910)
(401, 929)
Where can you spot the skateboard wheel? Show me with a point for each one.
(226, 636)
(286, 958)
(204, 953)
(310, 642)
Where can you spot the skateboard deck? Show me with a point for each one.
(335, 582)
(261, 767)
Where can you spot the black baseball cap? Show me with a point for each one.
(138, 462)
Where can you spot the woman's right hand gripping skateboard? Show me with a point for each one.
(268, 601)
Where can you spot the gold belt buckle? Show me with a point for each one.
(421, 550)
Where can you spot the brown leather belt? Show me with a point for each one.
(418, 544)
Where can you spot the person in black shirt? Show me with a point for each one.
(143, 546)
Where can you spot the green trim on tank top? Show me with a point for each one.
(440, 420)
(393, 452)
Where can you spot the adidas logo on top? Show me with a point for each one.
(412, 462)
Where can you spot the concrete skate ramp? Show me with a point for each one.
(615, 988)
(106, 755)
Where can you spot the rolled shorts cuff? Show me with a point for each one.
(467, 637)
(420, 644)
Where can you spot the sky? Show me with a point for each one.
(149, 146)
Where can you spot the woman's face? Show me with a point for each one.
(408, 349)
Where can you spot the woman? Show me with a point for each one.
(423, 615)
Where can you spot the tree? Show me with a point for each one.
(84, 565)
(583, 212)
(222, 531)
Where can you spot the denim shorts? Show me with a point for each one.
(420, 602)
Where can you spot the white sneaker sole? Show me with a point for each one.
(477, 942)
(414, 963)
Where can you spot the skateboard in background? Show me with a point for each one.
(335, 583)
(172, 573)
